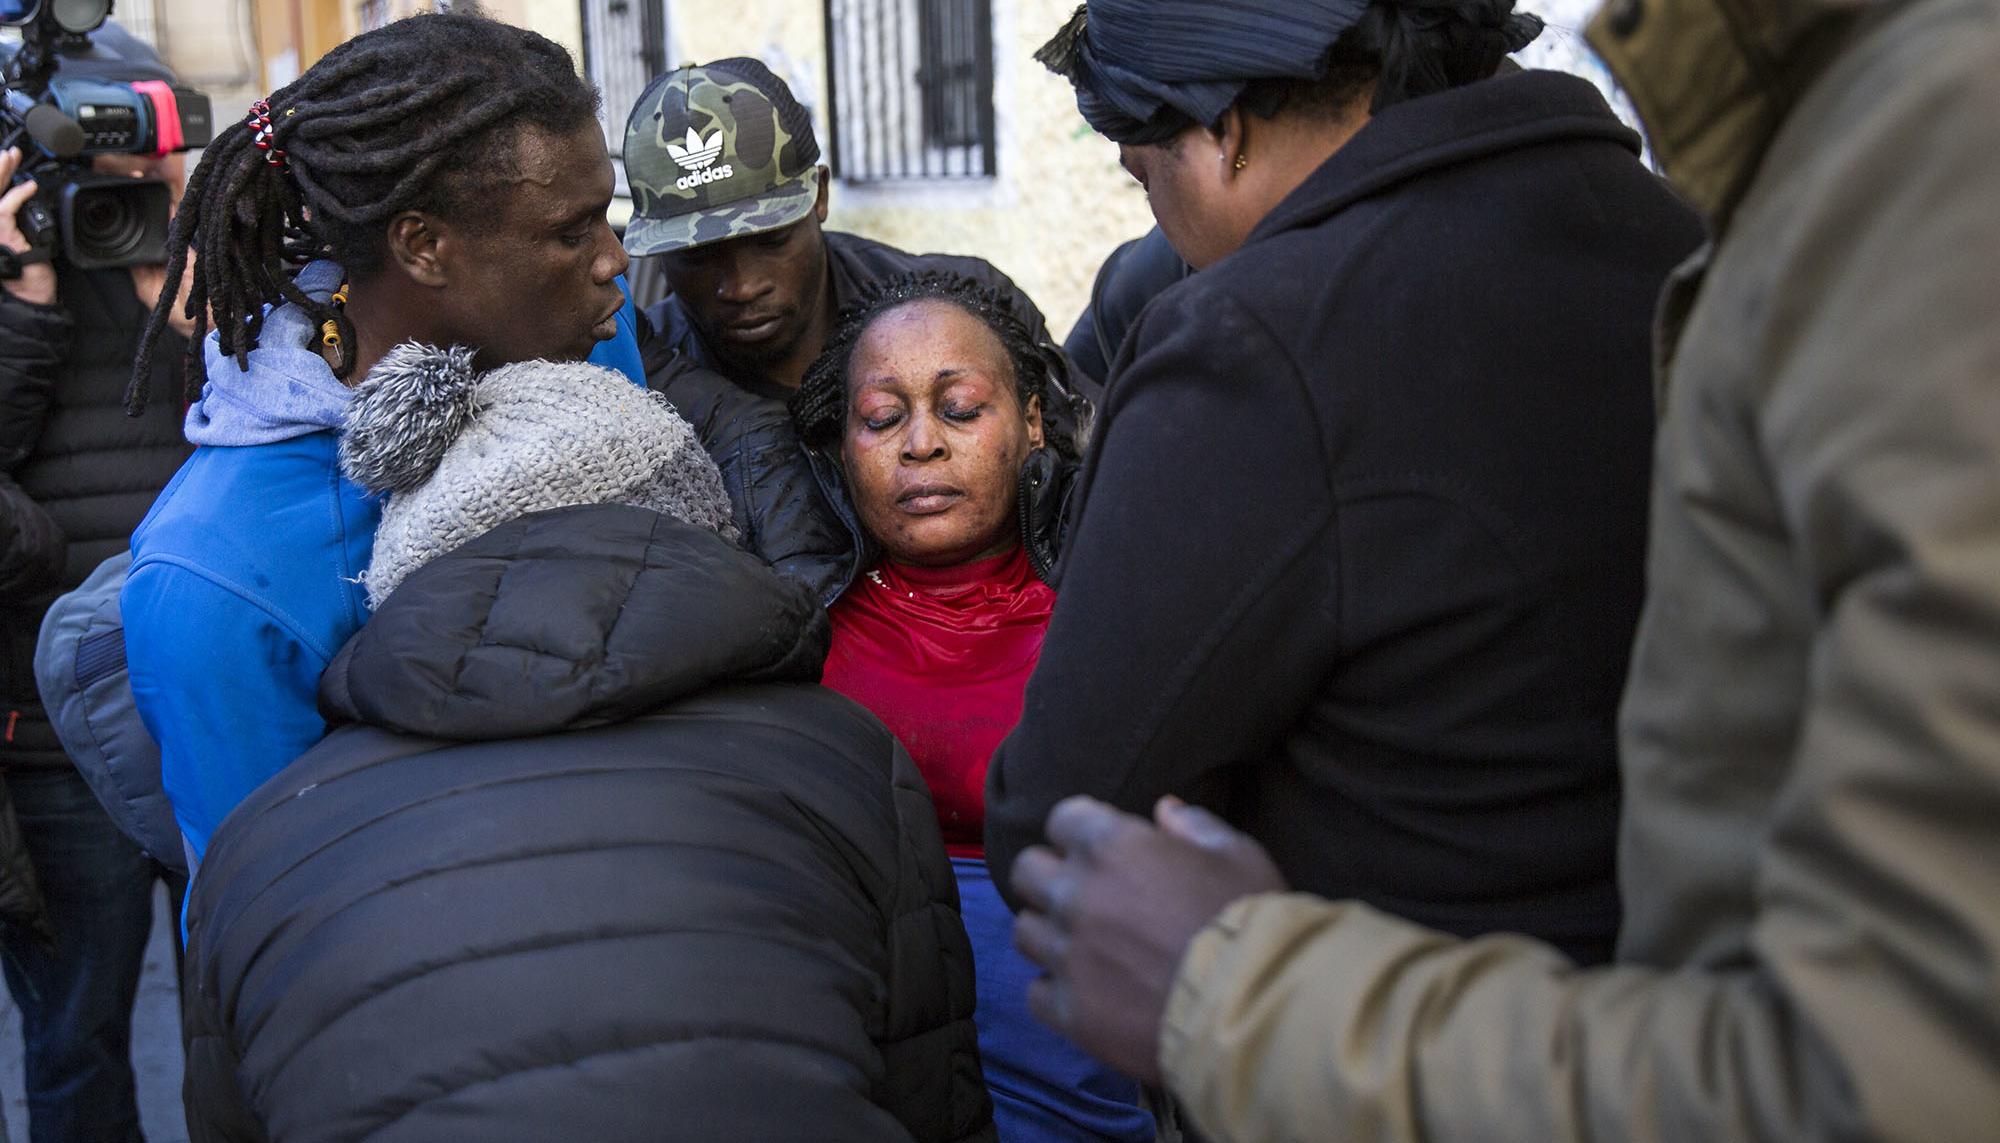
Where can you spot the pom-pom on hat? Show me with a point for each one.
(461, 452)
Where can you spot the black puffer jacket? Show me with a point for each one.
(76, 474)
(786, 513)
(638, 879)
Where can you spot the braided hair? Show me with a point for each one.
(423, 114)
(819, 408)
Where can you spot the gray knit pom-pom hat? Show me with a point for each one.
(461, 452)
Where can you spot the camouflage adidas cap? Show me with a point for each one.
(717, 151)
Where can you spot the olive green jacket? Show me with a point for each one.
(1810, 854)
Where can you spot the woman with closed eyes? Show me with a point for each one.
(925, 412)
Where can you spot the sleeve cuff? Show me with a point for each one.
(53, 311)
(1212, 967)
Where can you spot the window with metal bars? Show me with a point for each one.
(624, 49)
(911, 88)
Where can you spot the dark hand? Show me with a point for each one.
(1112, 908)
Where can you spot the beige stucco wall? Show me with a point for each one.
(559, 20)
(1060, 202)
(213, 47)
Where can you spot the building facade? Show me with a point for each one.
(943, 132)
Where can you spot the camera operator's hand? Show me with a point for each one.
(37, 282)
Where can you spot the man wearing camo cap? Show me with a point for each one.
(729, 195)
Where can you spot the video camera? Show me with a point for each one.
(62, 122)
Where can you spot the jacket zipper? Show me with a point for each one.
(1037, 561)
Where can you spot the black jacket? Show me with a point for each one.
(787, 514)
(624, 874)
(76, 474)
(1359, 548)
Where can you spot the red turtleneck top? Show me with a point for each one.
(942, 656)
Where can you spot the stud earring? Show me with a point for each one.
(1242, 162)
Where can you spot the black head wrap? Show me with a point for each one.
(1146, 70)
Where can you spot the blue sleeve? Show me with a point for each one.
(622, 352)
(229, 693)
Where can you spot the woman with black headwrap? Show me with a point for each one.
(1358, 552)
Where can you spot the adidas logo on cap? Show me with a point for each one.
(698, 159)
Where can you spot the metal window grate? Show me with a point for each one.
(911, 88)
(624, 49)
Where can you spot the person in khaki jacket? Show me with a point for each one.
(1810, 852)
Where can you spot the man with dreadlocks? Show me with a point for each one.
(444, 181)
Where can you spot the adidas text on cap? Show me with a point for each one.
(714, 152)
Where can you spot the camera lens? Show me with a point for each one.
(109, 220)
(80, 15)
(110, 225)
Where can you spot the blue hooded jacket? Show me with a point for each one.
(245, 574)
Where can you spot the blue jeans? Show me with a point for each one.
(1044, 1087)
(76, 1005)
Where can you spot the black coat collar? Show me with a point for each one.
(1447, 129)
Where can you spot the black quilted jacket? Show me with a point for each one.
(599, 862)
(76, 474)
